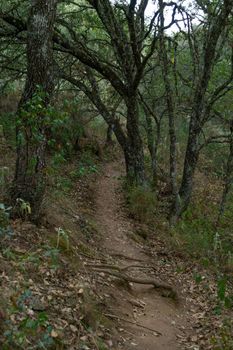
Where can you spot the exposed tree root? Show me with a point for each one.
(118, 268)
(126, 257)
(118, 272)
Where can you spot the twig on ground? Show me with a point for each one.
(134, 323)
(126, 257)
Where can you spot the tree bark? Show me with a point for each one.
(134, 156)
(109, 140)
(127, 37)
(190, 163)
(153, 140)
(228, 177)
(30, 174)
(217, 25)
(171, 118)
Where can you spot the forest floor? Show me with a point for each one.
(160, 322)
(71, 282)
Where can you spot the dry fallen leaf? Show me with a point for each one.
(73, 328)
(54, 334)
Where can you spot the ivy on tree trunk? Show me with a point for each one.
(32, 117)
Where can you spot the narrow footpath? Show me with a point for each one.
(160, 321)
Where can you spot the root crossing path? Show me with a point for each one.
(145, 319)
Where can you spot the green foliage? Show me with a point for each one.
(61, 140)
(43, 119)
(197, 278)
(5, 228)
(24, 207)
(4, 172)
(22, 260)
(142, 203)
(101, 345)
(87, 159)
(224, 340)
(196, 233)
(64, 184)
(57, 160)
(36, 115)
(224, 299)
(52, 254)
(25, 329)
(86, 165)
(62, 235)
(83, 171)
(66, 127)
(215, 159)
(7, 120)
(98, 125)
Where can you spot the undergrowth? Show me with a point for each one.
(198, 235)
(21, 327)
(141, 203)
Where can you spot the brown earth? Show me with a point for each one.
(88, 307)
(142, 304)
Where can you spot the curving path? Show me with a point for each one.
(148, 308)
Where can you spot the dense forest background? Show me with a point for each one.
(147, 83)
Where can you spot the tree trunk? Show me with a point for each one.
(228, 177)
(175, 207)
(109, 140)
(192, 149)
(191, 159)
(30, 174)
(134, 156)
(153, 140)
(199, 110)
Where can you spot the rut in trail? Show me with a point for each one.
(157, 313)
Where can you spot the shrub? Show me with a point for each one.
(196, 235)
(86, 165)
(142, 203)
(5, 228)
(223, 339)
(25, 329)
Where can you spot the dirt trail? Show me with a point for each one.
(156, 312)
